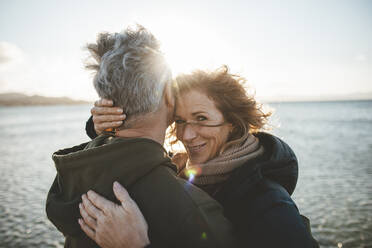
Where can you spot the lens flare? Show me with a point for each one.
(190, 173)
(191, 177)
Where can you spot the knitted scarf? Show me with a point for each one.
(220, 168)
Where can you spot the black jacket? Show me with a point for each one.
(256, 199)
(178, 213)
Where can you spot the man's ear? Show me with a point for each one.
(169, 101)
(168, 94)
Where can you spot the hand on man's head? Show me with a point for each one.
(105, 116)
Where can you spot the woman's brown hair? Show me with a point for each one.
(231, 99)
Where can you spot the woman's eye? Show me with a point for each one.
(179, 121)
(201, 118)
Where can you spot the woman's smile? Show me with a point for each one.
(195, 148)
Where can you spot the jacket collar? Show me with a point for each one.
(278, 163)
(133, 157)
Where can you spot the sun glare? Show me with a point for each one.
(188, 46)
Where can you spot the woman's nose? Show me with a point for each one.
(189, 132)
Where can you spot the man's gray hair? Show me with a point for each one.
(130, 70)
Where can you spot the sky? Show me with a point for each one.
(283, 48)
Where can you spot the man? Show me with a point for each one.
(132, 72)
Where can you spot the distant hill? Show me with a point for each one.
(319, 98)
(18, 99)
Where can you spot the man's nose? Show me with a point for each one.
(189, 132)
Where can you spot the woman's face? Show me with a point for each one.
(193, 110)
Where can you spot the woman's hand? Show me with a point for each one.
(105, 116)
(111, 225)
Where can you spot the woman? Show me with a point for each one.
(250, 173)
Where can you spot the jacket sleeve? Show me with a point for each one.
(89, 128)
(276, 222)
(63, 214)
(283, 224)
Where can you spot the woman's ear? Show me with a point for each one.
(231, 130)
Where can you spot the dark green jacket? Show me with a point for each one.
(178, 214)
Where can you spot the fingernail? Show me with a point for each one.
(116, 185)
(80, 206)
(80, 221)
(119, 110)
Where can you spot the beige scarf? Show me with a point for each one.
(220, 168)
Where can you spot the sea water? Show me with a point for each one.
(332, 140)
